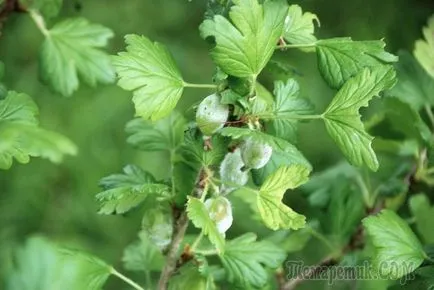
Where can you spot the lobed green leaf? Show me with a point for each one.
(342, 118)
(149, 70)
(72, 48)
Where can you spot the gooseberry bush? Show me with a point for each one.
(241, 143)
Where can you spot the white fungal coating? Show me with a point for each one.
(220, 211)
(211, 115)
(158, 225)
(231, 170)
(255, 154)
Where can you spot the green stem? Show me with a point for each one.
(197, 242)
(425, 255)
(148, 279)
(297, 45)
(253, 86)
(430, 114)
(365, 192)
(40, 22)
(172, 170)
(292, 117)
(126, 279)
(321, 238)
(231, 184)
(430, 171)
(199, 86)
(207, 252)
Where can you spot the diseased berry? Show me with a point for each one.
(231, 170)
(211, 115)
(255, 154)
(220, 211)
(158, 225)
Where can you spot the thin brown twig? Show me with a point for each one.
(9, 6)
(173, 262)
(310, 273)
(172, 255)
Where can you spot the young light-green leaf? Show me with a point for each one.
(399, 252)
(47, 8)
(189, 277)
(402, 117)
(246, 260)
(288, 105)
(423, 212)
(278, 159)
(164, 135)
(18, 108)
(299, 27)
(258, 136)
(41, 265)
(20, 136)
(149, 70)
(414, 85)
(275, 214)
(122, 192)
(244, 46)
(198, 214)
(143, 255)
(339, 59)
(424, 49)
(342, 118)
(72, 48)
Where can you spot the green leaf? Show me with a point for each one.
(399, 252)
(164, 135)
(403, 118)
(143, 255)
(245, 260)
(190, 278)
(342, 118)
(192, 150)
(244, 46)
(20, 141)
(192, 158)
(96, 271)
(40, 265)
(399, 148)
(149, 70)
(47, 8)
(201, 219)
(344, 212)
(423, 212)
(258, 136)
(293, 241)
(421, 278)
(424, 49)
(279, 158)
(275, 214)
(299, 27)
(414, 85)
(287, 107)
(72, 48)
(122, 192)
(18, 108)
(320, 184)
(20, 136)
(339, 59)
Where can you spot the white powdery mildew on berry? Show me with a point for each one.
(211, 114)
(255, 154)
(231, 170)
(220, 211)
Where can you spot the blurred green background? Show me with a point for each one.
(58, 200)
